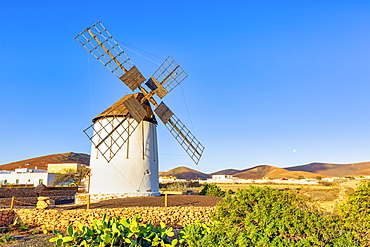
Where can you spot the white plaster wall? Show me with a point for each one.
(27, 178)
(133, 170)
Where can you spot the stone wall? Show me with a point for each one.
(60, 219)
(7, 217)
(29, 201)
(30, 192)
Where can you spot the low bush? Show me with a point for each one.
(212, 190)
(261, 216)
(355, 213)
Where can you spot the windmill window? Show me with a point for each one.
(17, 181)
(41, 181)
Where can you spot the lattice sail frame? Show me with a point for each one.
(185, 138)
(100, 43)
(168, 76)
(182, 134)
(110, 133)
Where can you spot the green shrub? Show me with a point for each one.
(194, 234)
(116, 232)
(212, 190)
(355, 213)
(261, 216)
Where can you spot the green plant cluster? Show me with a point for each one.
(6, 238)
(19, 226)
(258, 216)
(116, 232)
(268, 217)
(212, 190)
(355, 213)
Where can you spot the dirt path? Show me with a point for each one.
(154, 201)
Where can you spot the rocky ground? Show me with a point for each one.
(33, 237)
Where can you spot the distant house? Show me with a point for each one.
(221, 179)
(37, 176)
(26, 176)
(169, 179)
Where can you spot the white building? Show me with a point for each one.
(26, 176)
(170, 179)
(222, 179)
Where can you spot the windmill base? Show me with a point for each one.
(82, 198)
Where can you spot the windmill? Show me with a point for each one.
(124, 152)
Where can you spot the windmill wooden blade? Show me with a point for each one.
(100, 43)
(135, 109)
(113, 130)
(166, 77)
(186, 139)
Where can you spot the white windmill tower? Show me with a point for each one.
(124, 152)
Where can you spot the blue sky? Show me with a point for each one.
(270, 82)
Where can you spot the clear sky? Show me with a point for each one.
(270, 82)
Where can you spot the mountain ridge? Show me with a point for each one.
(333, 170)
(311, 170)
(42, 161)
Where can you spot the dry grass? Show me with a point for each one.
(325, 195)
(294, 187)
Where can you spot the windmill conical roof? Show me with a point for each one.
(119, 110)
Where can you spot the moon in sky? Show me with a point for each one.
(294, 150)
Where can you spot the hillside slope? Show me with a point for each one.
(185, 173)
(41, 162)
(266, 171)
(226, 172)
(312, 170)
(365, 172)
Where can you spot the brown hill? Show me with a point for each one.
(226, 172)
(333, 170)
(365, 172)
(257, 172)
(185, 173)
(312, 170)
(262, 171)
(41, 162)
(309, 171)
